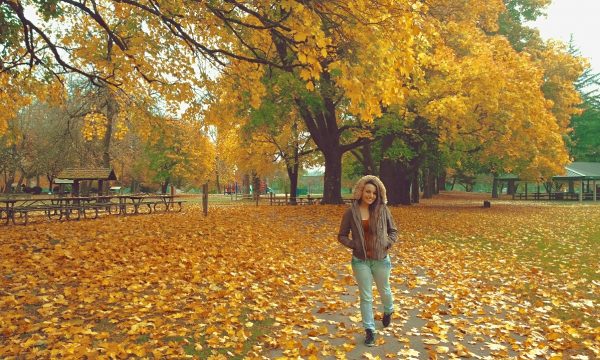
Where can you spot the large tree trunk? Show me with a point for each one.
(395, 176)
(511, 187)
(325, 132)
(405, 183)
(20, 181)
(428, 183)
(495, 188)
(292, 168)
(217, 177)
(111, 115)
(415, 193)
(441, 182)
(387, 176)
(322, 125)
(292, 165)
(365, 156)
(112, 110)
(332, 187)
(397, 181)
(246, 184)
(10, 179)
(255, 186)
(293, 175)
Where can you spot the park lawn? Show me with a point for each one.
(241, 282)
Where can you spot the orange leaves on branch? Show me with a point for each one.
(94, 125)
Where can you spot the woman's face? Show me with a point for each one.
(369, 194)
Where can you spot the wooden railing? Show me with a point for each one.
(566, 196)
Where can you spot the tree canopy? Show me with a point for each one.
(484, 82)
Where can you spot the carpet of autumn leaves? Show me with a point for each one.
(516, 280)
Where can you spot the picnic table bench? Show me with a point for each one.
(18, 210)
(299, 200)
(151, 203)
(309, 200)
(547, 196)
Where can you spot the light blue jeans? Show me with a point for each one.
(364, 273)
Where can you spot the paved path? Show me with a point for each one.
(421, 328)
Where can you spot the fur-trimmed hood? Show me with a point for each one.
(360, 185)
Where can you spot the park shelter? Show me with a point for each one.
(582, 178)
(586, 174)
(62, 184)
(78, 175)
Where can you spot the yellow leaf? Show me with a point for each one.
(442, 349)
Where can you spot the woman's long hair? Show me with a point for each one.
(374, 208)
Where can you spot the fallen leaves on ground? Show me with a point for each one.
(248, 282)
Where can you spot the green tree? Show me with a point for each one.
(585, 139)
(513, 22)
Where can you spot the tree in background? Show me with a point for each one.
(350, 58)
(479, 103)
(584, 141)
(266, 136)
(175, 152)
(513, 22)
(585, 138)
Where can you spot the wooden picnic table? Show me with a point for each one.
(59, 207)
(6, 211)
(153, 202)
(18, 210)
(300, 200)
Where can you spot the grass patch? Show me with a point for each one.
(577, 255)
(203, 351)
(570, 259)
(142, 339)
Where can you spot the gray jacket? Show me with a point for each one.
(387, 233)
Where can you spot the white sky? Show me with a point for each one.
(581, 18)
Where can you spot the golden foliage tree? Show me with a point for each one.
(355, 59)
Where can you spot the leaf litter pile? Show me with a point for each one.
(517, 280)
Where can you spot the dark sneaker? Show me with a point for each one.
(370, 338)
(387, 319)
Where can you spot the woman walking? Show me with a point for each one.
(373, 234)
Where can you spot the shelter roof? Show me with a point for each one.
(575, 171)
(507, 177)
(586, 169)
(88, 174)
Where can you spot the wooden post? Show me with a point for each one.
(571, 186)
(594, 184)
(257, 196)
(581, 192)
(75, 189)
(171, 198)
(205, 199)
